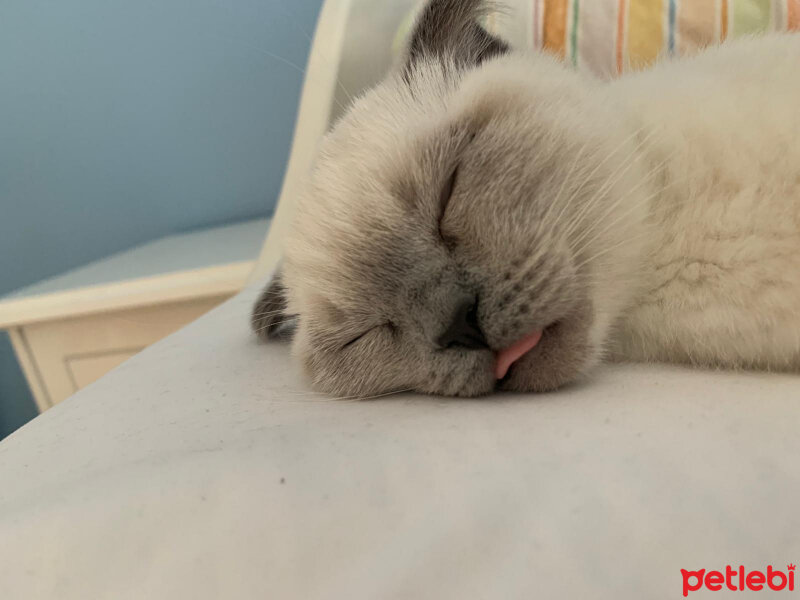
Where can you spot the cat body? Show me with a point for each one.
(485, 219)
(722, 274)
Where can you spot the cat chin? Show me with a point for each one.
(475, 384)
(527, 376)
(562, 356)
(467, 375)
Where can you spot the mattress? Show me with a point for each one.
(205, 468)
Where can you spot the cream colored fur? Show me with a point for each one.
(722, 278)
(656, 217)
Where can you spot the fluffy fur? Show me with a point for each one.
(656, 217)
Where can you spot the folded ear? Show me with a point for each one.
(270, 319)
(450, 29)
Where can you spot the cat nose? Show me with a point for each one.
(464, 331)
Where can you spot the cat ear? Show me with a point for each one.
(270, 320)
(450, 29)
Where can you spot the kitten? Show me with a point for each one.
(487, 219)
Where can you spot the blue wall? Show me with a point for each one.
(123, 121)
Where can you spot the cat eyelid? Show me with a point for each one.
(367, 332)
(447, 194)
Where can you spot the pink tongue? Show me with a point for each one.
(509, 356)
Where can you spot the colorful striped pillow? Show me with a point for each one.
(612, 36)
(609, 37)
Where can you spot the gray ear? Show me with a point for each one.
(270, 319)
(449, 29)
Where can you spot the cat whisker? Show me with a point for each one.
(612, 179)
(605, 251)
(375, 396)
(321, 396)
(613, 223)
(286, 62)
(590, 230)
(568, 178)
(625, 215)
(291, 18)
(597, 168)
(271, 325)
(266, 315)
(307, 35)
(606, 186)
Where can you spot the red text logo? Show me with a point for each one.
(738, 579)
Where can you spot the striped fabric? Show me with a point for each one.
(611, 36)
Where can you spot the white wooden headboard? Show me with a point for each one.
(351, 51)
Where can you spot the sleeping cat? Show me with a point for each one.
(487, 219)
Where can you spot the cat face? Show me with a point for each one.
(470, 225)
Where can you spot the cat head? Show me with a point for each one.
(470, 224)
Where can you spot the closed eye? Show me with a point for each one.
(444, 199)
(367, 332)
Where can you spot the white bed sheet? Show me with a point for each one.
(203, 468)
